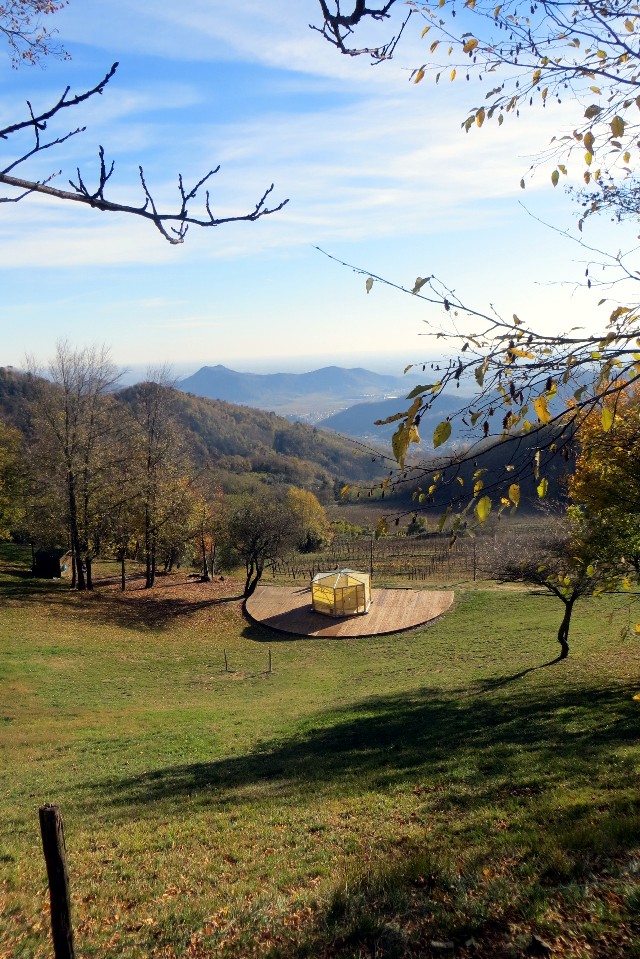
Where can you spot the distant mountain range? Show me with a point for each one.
(310, 397)
(359, 421)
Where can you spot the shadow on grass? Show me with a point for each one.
(490, 685)
(530, 760)
(547, 734)
(149, 611)
(135, 608)
(21, 585)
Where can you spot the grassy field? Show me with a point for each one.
(445, 791)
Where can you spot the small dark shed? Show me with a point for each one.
(46, 563)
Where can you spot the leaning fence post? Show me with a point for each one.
(52, 831)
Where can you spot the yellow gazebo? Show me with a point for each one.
(341, 592)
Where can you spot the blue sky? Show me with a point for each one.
(377, 171)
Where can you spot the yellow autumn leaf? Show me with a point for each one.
(419, 76)
(480, 116)
(607, 418)
(542, 410)
(470, 45)
(483, 508)
(514, 493)
(525, 354)
(542, 488)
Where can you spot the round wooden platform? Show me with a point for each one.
(288, 609)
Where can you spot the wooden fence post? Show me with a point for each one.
(52, 831)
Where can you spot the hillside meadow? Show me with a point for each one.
(445, 791)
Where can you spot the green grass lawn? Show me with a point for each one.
(447, 785)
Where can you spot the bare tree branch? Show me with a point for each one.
(173, 225)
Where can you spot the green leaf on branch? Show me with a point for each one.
(441, 433)
(419, 390)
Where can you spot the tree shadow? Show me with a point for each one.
(466, 759)
(481, 686)
(151, 612)
(385, 740)
(23, 585)
(270, 636)
(135, 608)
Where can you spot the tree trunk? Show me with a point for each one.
(89, 561)
(205, 565)
(75, 535)
(563, 632)
(150, 558)
(123, 576)
(254, 575)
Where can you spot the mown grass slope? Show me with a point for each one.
(445, 789)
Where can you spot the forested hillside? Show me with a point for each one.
(237, 444)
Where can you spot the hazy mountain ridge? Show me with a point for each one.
(308, 396)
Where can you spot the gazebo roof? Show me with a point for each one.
(332, 577)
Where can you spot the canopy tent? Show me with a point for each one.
(341, 592)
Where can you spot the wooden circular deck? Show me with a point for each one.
(288, 609)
